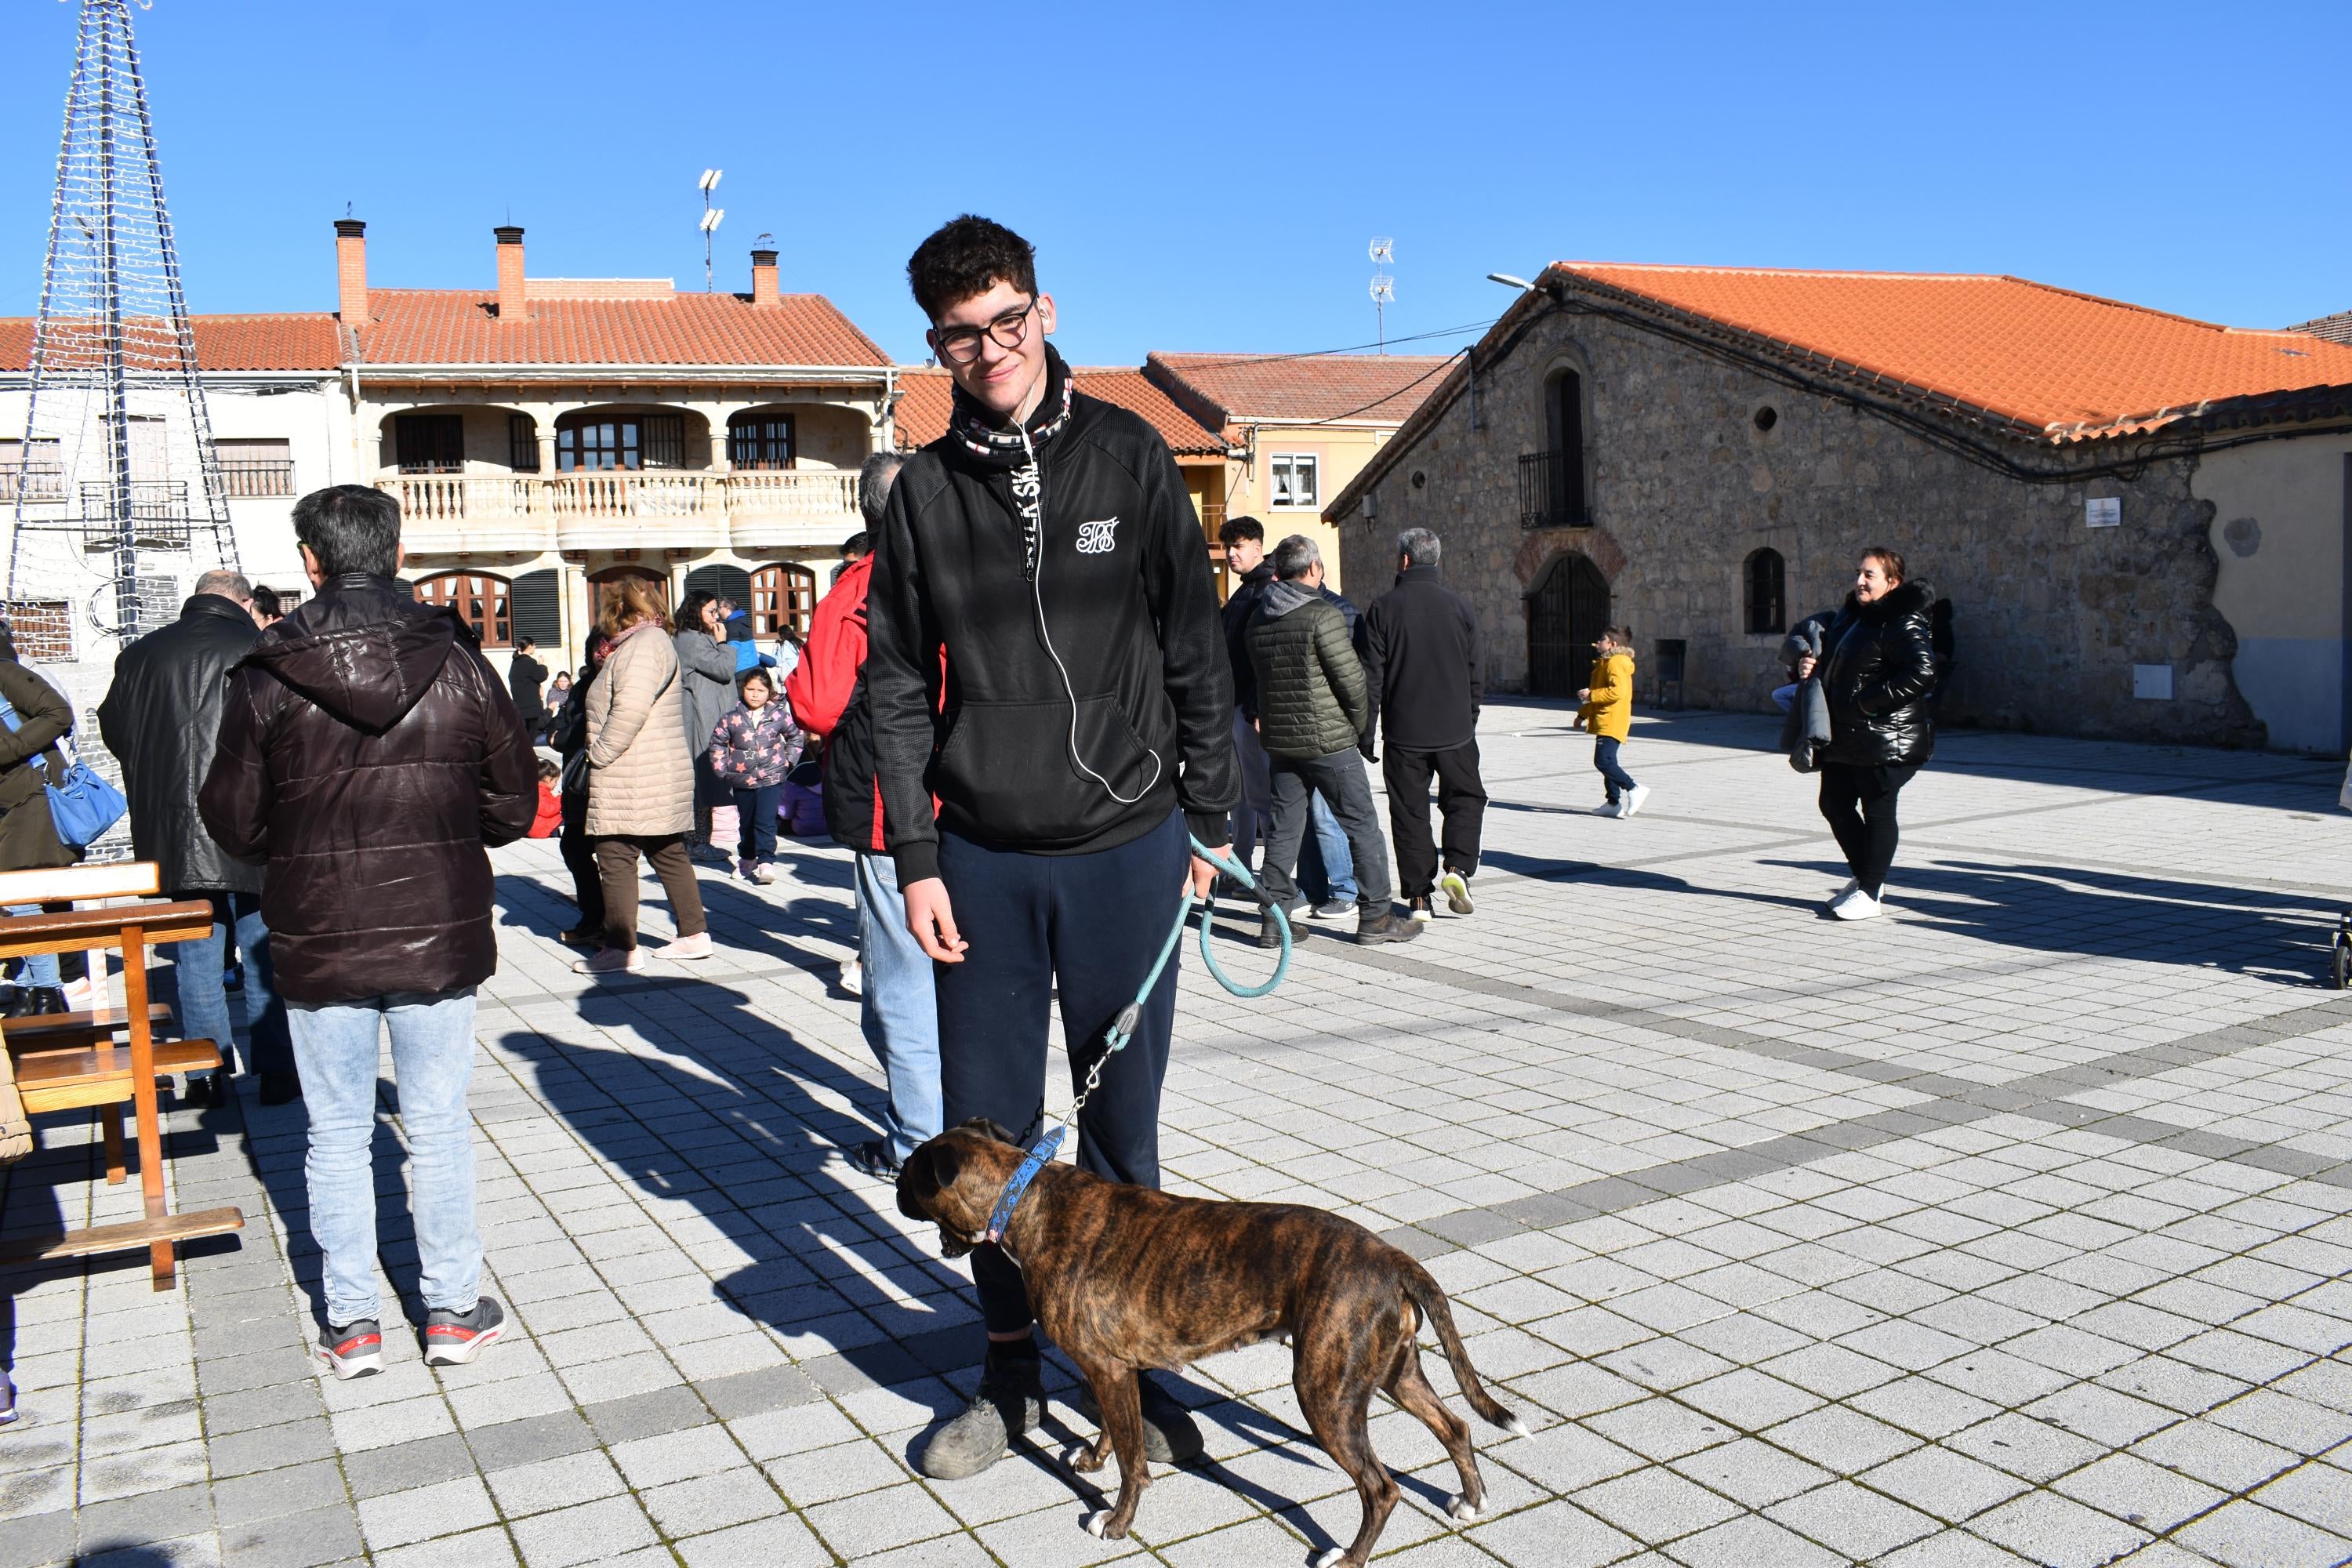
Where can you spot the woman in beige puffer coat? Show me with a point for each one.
(640, 784)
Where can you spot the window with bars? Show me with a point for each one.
(256, 467)
(430, 443)
(761, 441)
(34, 471)
(1765, 597)
(522, 443)
(481, 601)
(1297, 480)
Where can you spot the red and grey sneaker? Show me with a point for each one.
(452, 1338)
(355, 1350)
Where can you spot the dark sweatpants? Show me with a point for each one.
(1461, 801)
(1859, 804)
(1094, 922)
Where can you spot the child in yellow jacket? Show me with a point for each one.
(1608, 713)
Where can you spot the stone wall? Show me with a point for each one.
(1685, 481)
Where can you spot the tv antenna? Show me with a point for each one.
(711, 218)
(1383, 252)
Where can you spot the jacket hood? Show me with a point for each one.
(1909, 597)
(1282, 597)
(217, 606)
(363, 650)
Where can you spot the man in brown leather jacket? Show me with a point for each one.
(369, 757)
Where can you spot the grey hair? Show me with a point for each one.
(1420, 546)
(874, 478)
(1294, 556)
(227, 585)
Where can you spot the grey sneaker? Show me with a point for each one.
(1457, 888)
(1335, 908)
(452, 1338)
(1171, 1437)
(1010, 1400)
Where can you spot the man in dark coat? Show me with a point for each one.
(1420, 645)
(1312, 713)
(527, 677)
(1244, 541)
(161, 718)
(371, 757)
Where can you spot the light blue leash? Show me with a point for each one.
(1130, 1017)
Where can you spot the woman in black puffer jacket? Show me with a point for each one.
(1878, 671)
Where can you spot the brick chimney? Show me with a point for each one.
(351, 271)
(765, 295)
(513, 307)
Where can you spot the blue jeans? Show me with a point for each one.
(1325, 869)
(1614, 777)
(336, 1045)
(204, 1000)
(755, 813)
(41, 969)
(899, 1010)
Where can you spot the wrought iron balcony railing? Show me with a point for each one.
(1551, 490)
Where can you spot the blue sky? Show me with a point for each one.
(1201, 178)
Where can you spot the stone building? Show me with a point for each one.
(2140, 521)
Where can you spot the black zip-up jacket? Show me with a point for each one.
(1132, 607)
(1420, 646)
(1240, 611)
(1879, 671)
(161, 718)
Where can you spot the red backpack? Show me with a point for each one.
(820, 684)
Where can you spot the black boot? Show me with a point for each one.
(41, 1001)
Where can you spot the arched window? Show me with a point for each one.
(480, 601)
(1765, 600)
(1551, 482)
(780, 596)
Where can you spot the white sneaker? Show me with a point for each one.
(1857, 906)
(1851, 884)
(1633, 801)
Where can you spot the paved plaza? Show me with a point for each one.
(2012, 1228)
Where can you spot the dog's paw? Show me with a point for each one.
(1461, 1508)
(1515, 1428)
(1331, 1559)
(1079, 1456)
(1093, 1523)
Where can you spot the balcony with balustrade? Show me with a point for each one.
(625, 509)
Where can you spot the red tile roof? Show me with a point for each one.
(2040, 359)
(1371, 389)
(458, 326)
(302, 341)
(926, 393)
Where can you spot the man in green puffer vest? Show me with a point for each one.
(1312, 712)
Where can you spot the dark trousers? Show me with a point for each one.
(1094, 923)
(1339, 779)
(616, 865)
(1613, 771)
(1859, 803)
(579, 853)
(755, 814)
(1461, 802)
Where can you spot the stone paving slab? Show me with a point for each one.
(2011, 1228)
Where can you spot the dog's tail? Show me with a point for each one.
(1430, 1297)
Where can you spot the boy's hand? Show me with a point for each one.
(1584, 694)
(931, 920)
(1577, 722)
(1202, 879)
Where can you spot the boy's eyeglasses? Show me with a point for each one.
(960, 345)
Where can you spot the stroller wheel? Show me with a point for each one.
(2340, 967)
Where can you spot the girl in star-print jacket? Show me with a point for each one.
(752, 750)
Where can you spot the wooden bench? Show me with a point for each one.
(71, 1062)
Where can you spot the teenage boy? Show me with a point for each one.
(1608, 713)
(1244, 541)
(1046, 544)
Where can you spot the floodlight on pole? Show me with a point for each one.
(1383, 252)
(710, 220)
(1521, 284)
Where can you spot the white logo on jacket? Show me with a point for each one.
(1096, 538)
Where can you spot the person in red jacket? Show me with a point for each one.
(548, 820)
(892, 975)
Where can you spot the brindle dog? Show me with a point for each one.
(1123, 1278)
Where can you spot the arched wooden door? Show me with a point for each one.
(1567, 613)
(604, 586)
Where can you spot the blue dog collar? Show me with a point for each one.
(1039, 1156)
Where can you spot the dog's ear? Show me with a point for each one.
(987, 1128)
(928, 1169)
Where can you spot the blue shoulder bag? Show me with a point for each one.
(85, 806)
